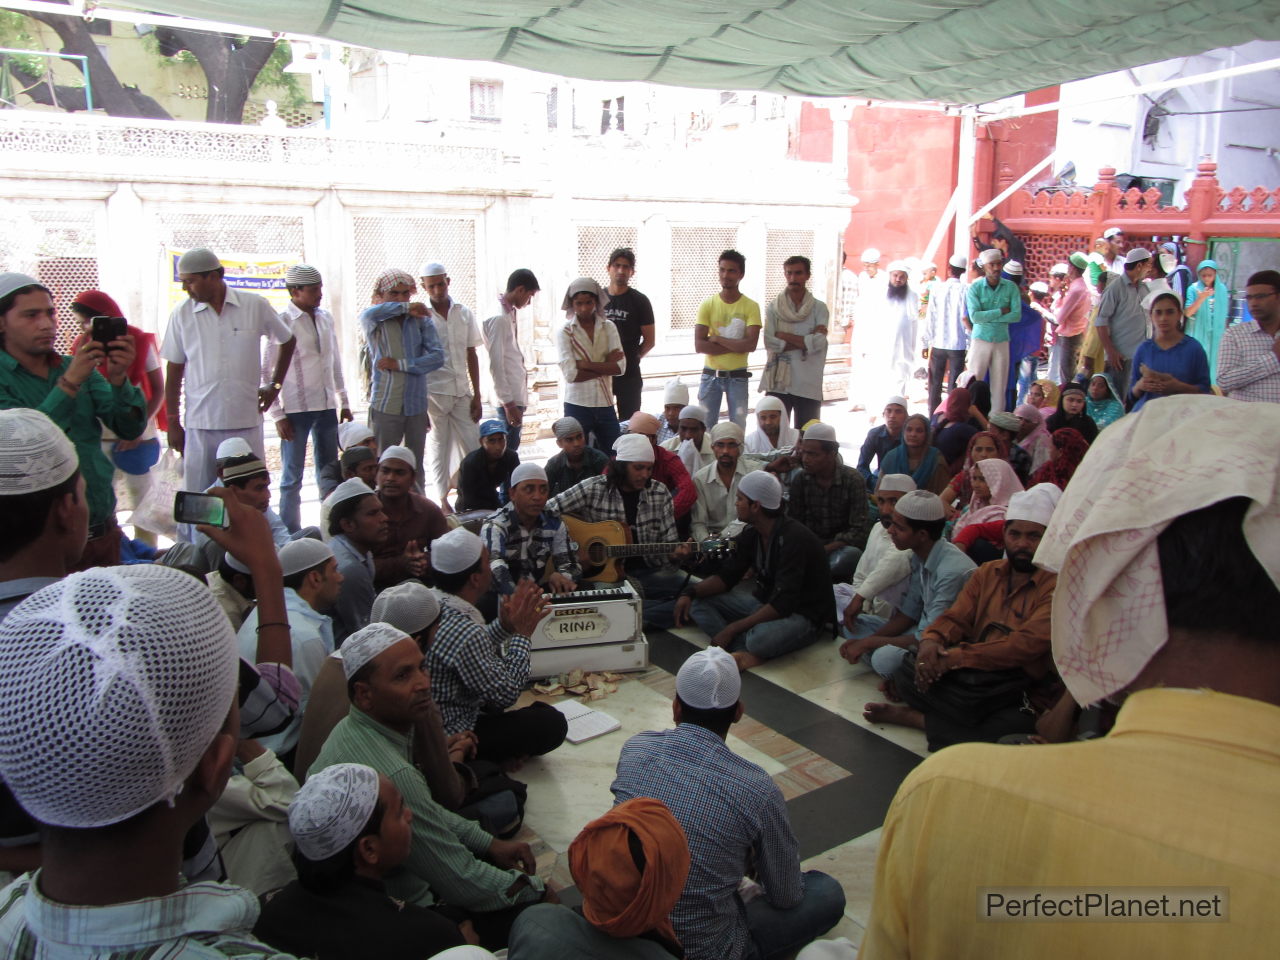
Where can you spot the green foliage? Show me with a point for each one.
(273, 77)
(15, 31)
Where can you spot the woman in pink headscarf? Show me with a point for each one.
(994, 482)
(1034, 435)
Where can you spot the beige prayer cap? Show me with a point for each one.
(727, 430)
(199, 260)
(1143, 472)
(34, 453)
(921, 505)
(771, 403)
(895, 483)
(368, 643)
(643, 423)
(332, 809)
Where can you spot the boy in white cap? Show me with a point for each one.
(352, 828)
(451, 860)
(479, 669)
(1121, 322)
(791, 598)
(992, 304)
(939, 571)
(736, 822)
(485, 475)
(944, 334)
(591, 355)
(726, 332)
(576, 461)
(881, 578)
(453, 391)
(525, 538)
(675, 397)
(313, 397)
(691, 444)
(772, 432)
(413, 520)
(355, 525)
(830, 499)
(213, 348)
(882, 438)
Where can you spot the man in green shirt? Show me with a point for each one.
(390, 693)
(73, 394)
(993, 304)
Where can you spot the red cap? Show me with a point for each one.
(101, 304)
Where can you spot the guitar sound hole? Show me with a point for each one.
(596, 553)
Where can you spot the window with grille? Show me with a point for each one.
(383, 242)
(779, 245)
(486, 99)
(695, 252)
(228, 233)
(596, 242)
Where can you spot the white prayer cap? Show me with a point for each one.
(355, 487)
(895, 483)
(959, 260)
(410, 606)
(1050, 490)
(921, 505)
(113, 683)
(821, 431)
(771, 403)
(10, 282)
(303, 554)
(566, 427)
(1030, 506)
(302, 275)
(433, 269)
(1058, 270)
(1110, 232)
(1137, 254)
(727, 430)
(1013, 268)
(871, 255)
(709, 679)
(1039, 287)
(989, 255)
(366, 644)
(456, 551)
(236, 564)
(34, 453)
(694, 412)
(397, 452)
(762, 487)
(896, 401)
(332, 809)
(527, 471)
(581, 285)
(633, 448)
(675, 392)
(966, 377)
(352, 434)
(901, 265)
(233, 447)
(199, 260)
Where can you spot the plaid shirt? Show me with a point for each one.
(473, 666)
(1247, 364)
(422, 355)
(835, 514)
(596, 499)
(515, 552)
(199, 922)
(735, 818)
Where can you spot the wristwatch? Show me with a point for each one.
(274, 385)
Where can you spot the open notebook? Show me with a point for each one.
(584, 722)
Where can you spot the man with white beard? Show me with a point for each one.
(884, 340)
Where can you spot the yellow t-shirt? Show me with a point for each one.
(716, 315)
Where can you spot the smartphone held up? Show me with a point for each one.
(200, 508)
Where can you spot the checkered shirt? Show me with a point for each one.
(473, 665)
(516, 552)
(596, 499)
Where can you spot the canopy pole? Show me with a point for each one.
(947, 213)
(966, 169)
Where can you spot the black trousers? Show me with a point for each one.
(800, 410)
(967, 705)
(939, 362)
(528, 732)
(627, 392)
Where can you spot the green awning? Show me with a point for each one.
(958, 51)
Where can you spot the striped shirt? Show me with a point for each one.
(597, 498)
(1248, 368)
(944, 327)
(417, 351)
(444, 857)
(473, 665)
(516, 552)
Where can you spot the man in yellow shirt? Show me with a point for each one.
(1165, 548)
(727, 330)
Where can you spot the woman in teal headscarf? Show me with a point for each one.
(917, 457)
(1207, 309)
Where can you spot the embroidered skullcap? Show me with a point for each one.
(527, 471)
(433, 269)
(303, 554)
(901, 265)
(1013, 268)
(396, 452)
(237, 468)
(1031, 506)
(675, 392)
(820, 431)
(1110, 232)
(1005, 421)
(34, 454)
(1080, 260)
(410, 606)
(581, 285)
(113, 682)
(392, 277)
(709, 679)
(727, 430)
(896, 401)
(332, 809)
(352, 434)
(199, 260)
(233, 447)
(871, 255)
(457, 550)
(895, 483)
(302, 275)
(771, 403)
(633, 448)
(762, 487)
(10, 282)
(958, 260)
(367, 643)
(921, 505)
(1058, 269)
(694, 412)
(1142, 473)
(643, 423)
(491, 427)
(566, 427)
(1137, 254)
(989, 255)
(347, 489)
(1039, 287)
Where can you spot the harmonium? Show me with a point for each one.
(591, 631)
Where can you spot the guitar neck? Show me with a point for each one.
(640, 549)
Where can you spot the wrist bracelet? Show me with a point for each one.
(64, 382)
(277, 623)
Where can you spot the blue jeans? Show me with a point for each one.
(513, 432)
(602, 421)
(322, 426)
(843, 562)
(714, 388)
(661, 587)
(775, 932)
(770, 639)
(883, 660)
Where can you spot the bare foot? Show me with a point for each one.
(893, 713)
(746, 660)
(512, 764)
(889, 690)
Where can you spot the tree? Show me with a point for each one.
(230, 65)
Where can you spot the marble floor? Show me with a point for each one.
(803, 725)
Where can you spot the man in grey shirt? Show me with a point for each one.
(1121, 323)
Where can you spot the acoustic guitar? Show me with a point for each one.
(602, 546)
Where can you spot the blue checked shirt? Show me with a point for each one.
(735, 819)
(422, 355)
(596, 499)
(473, 665)
(516, 552)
